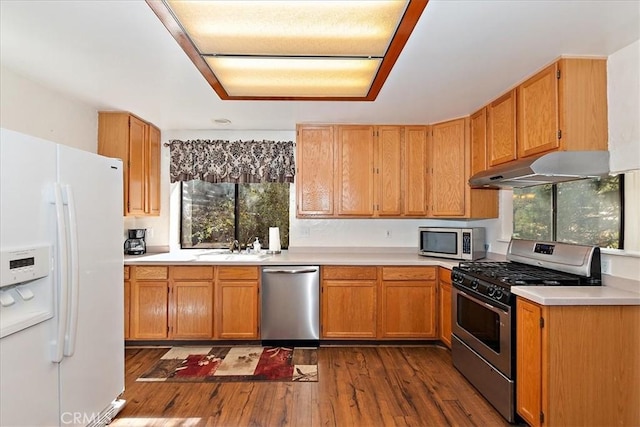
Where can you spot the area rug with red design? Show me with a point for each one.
(228, 364)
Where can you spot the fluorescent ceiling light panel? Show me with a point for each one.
(294, 77)
(332, 50)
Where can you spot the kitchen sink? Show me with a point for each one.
(242, 257)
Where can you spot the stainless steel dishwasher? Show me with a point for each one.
(290, 303)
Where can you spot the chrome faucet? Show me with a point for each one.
(234, 246)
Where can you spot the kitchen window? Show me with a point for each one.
(588, 211)
(215, 214)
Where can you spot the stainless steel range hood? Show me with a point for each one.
(549, 168)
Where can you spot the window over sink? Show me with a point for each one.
(214, 214)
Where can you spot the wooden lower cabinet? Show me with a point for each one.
(378, 302)
(237, 308)
(577, 365)
(349, 296)
(407, 303)
(127, 302)
(171, 302)
(444, 305)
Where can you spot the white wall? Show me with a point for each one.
(33, 109)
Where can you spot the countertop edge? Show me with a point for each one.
(577, 295)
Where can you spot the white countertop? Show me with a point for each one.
(577, 295)
(321, 257)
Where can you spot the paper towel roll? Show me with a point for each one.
(274, 239)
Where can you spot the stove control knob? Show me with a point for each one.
(499, 294)
(492, 291)
(456, 277)
(475, 283)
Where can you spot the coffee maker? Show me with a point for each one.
(135, 244)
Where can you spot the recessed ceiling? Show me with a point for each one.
(292, 50)
(117, 55)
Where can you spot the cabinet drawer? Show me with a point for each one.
(126, 272)
(192, 273)
(408, 273)
(444, 274)
(153, 273)
(349, 273)
(237, 273)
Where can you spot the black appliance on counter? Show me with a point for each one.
(483, 342)
(135, 244)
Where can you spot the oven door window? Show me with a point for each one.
(479, 321)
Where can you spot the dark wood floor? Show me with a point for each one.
(358, 386)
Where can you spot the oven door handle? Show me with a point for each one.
(476, 300)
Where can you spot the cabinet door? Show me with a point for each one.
(538, 113)
(355, 153)
(136, 167)
(192, 310)
(314, 179)
(478, 124)
(444, 300)
(389, 171)
(529, 361)
(127, 308)
(237, 310)
(153, 172)
(408, 309)
(448, 180)
(416, 164)
(348, 309)
(501, 129)
(149, 316)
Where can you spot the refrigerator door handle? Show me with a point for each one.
(62, 277)
(74, 288)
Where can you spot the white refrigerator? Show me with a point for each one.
(61, 289)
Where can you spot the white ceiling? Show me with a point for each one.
(116, 55)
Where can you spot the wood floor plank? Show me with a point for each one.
(358, 386)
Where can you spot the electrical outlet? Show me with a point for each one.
(606, 266)
(150, 232)
(388, 234)
(305, 232)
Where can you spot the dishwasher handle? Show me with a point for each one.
(290, 270)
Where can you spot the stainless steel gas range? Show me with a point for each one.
(483, 310)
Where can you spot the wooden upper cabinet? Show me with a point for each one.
(416, 164)
(538, 125)
(448, 180)
(354, 171)
(501, 129)
(315, 166)
(564, 107)
(153, 172)
(137, 143)
(478, 123)
(389, 170)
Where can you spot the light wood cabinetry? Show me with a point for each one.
(416, 167)
(171, 302)
(576, 365)
(451, 195)
(564, 107)
(127, 302)
(149, 302)
(388, 176)
(478, 123)
(237, 308)
(444, 305)
(137, 144)
(315, 165)
(349, 302)
(408, 302)
(501, 129)
(354, 171)
(191, 302)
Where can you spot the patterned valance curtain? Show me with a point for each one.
(232, 161)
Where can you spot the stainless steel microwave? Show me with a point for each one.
(455, 243)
